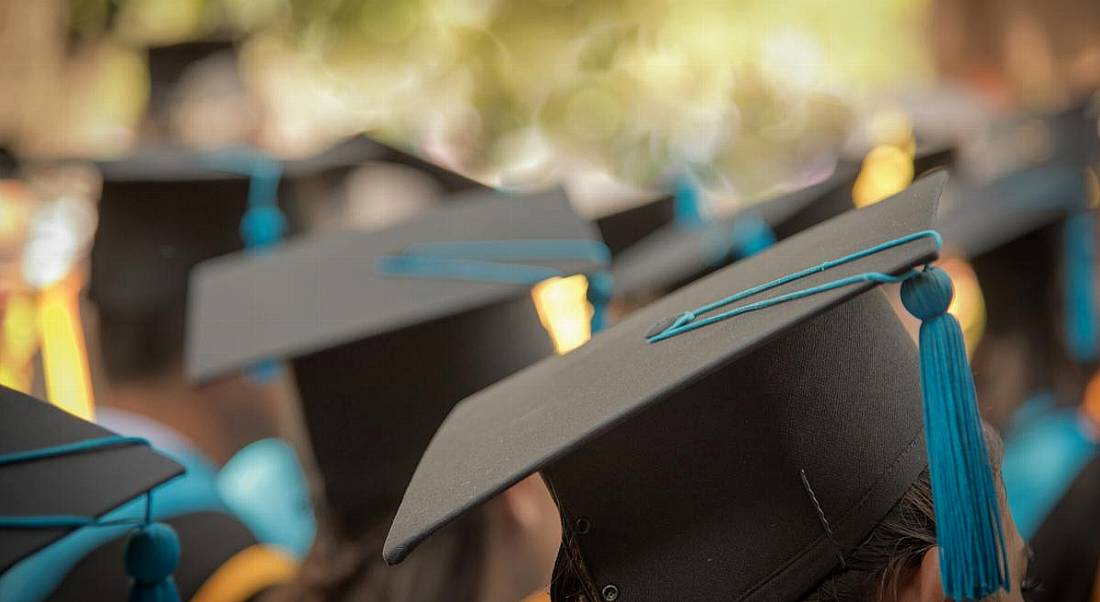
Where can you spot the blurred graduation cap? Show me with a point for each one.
(359, 150)
(386, 330)
(59, 473)
(161, 212)
(621, 230)
(684, 249)
(1033, 220)
(319, 189)
(717, 447)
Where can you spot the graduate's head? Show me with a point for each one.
(899, 560)
(740, 438)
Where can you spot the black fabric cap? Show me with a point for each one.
(319, 292)
(379, 361)
(674, 255)
(86, 484)
(684, 456)
(160, 214)
(360, 150)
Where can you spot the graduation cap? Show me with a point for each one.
(728, 447)
(59, 473)
(1038, 214)
(689, 248)
(386, 330)
(312, 184)
(161, 213)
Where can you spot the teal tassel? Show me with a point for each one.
(152, 553)
(973, 560)
(1079, 280)
(600, 289)
(751, 235)
(262, 226)
(687, 206)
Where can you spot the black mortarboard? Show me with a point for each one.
(312, 182)
(383, 343)
(83, 483)
(737, 458)
(679, 253)
(160, 214)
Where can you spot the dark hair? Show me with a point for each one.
(346, 564)
(877, 568)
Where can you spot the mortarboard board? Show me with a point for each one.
(59, 473)
(387, 329)
(686, 447)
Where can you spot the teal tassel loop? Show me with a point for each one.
(152, 549)
(1079, 280)
(973, 560)
(600, 289)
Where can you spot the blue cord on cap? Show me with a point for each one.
(974, 561)
(152, 549)
(494, 261)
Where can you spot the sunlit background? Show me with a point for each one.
(613, 99)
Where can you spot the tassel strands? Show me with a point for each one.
(973, 561)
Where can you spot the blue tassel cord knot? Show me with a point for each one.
(152, 553)
(152, 550)
(973, 559)
(262, 226)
